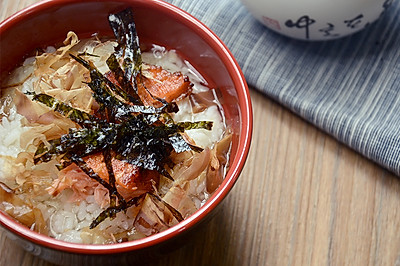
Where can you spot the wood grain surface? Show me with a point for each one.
(302, 199)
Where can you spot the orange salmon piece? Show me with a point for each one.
(127, 175)
(162, 84)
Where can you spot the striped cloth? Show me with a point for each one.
(350, 87)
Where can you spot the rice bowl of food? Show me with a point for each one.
(121, 135)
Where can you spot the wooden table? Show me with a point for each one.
(302, 199)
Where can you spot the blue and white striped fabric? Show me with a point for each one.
(350, 87)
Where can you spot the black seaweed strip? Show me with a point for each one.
(111, 178)
(93, 175)
(110, 212)
(124, 28)
(74, 114)
(130, 93)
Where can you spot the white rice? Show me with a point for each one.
(11, 129)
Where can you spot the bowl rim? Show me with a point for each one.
(231, 177)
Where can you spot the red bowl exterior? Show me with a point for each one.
(48, 22)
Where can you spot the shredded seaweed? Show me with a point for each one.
(124, 28)
(111, 211)
(129, 93)
(75, 115)
(123, 127)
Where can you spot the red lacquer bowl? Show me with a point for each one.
(47, 23)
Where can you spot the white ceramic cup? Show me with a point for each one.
(316, 19)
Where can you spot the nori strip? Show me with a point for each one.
(111, 177)
(111, 211)
(194, 125)
(130, 93)
(124, 28)
(179, 144)
(75, 115)
(79, 142)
